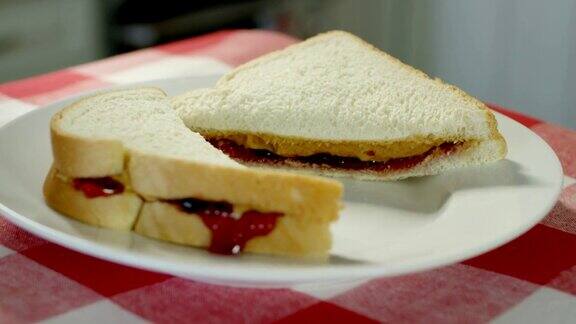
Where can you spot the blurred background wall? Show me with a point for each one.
(517, 53)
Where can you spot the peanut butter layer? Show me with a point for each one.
(363, 150)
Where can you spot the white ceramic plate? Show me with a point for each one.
(386, 228)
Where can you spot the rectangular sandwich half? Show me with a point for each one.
(124, 160)
(335, 105)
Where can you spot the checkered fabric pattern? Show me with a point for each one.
(531, 279)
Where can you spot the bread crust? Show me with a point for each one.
(292, 235)
(86, 158)
(264, 190)
(82, 157)
(118, 211)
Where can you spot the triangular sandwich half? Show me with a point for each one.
(336, 105)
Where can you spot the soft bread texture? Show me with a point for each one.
(337, 94)
(135, 136)
(94, 136)
(334, 87)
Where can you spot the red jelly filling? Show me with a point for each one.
(98, 187)
(242, 153)
(229, 235)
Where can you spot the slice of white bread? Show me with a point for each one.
(135, 137)
(337, 94)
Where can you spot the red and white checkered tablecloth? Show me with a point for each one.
(532, 279)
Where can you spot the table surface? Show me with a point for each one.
(531, 279)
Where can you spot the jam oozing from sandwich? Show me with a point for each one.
(229, 233)
(98, 187)
(242, 153)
